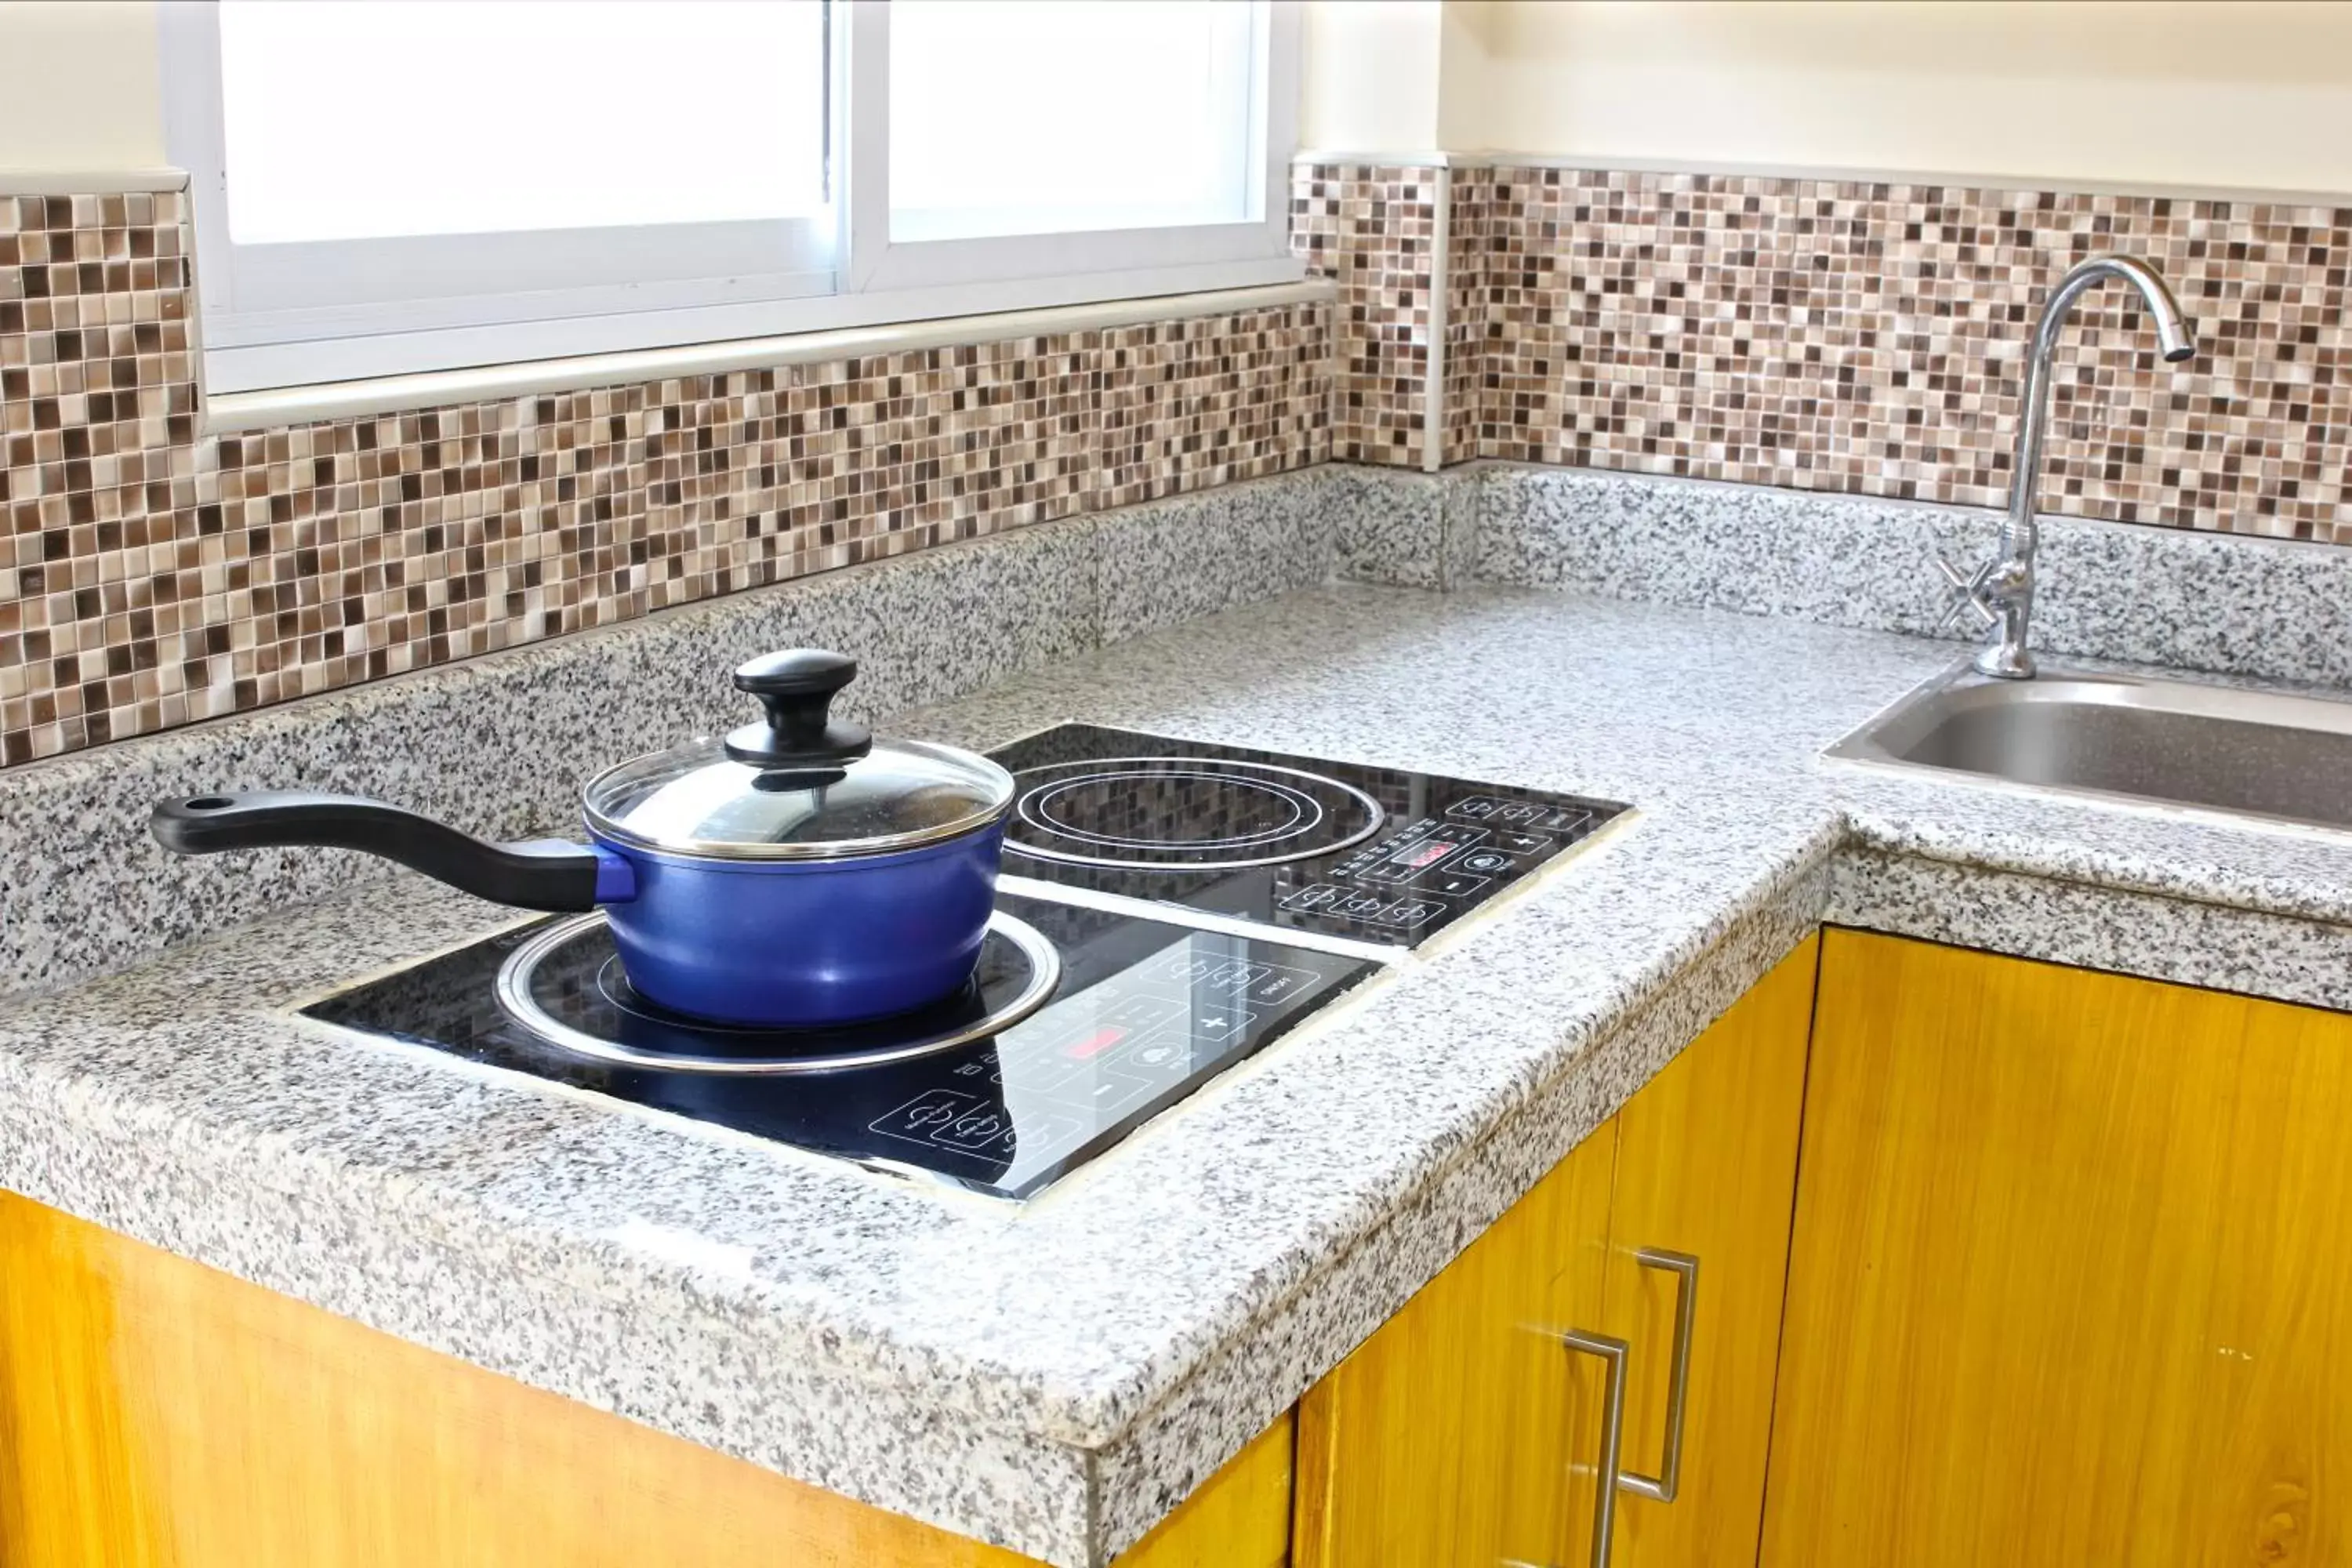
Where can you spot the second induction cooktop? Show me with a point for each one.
(1382, 856)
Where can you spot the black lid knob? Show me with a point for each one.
(796, 687)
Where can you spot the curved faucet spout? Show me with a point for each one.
(2008, 582)
(2174, 333)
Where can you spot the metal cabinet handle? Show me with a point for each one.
(1685, 1268)
(1612, 1352)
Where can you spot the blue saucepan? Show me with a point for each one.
(794, 874)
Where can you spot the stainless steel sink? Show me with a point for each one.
(2251, 753)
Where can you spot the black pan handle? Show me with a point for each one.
(547, 874)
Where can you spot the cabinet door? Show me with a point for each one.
(1706, 1167)
(1464, 1433)
(2071, 1282)
(156, 1414)
(1446, 1436)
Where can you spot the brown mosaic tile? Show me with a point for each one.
(1470, 237)
(1869, 337)
(1371, 228)
(1187, 404)
(1817, 334)
(151, 575)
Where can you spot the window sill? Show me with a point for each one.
(91, 182)
(230, 411)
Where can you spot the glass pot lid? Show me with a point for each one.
(802, 785)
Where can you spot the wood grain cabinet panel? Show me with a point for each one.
(2073, 1275)
(1450, 1435)
(157, 1414)
(1464, 1433)
(1706, 1166)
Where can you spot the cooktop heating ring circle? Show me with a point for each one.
(515, 997)
(1033, 809)
(1306, 812)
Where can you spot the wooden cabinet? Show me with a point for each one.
(2071, 1283)
(1706, 1166)
(2073, 1275)
(1441, 1439)
(156, 1414)
(1465, 1432)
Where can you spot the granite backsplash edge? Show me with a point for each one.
(2221, 603)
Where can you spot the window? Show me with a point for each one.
(966, 162)
(383, 186)
(747, 80)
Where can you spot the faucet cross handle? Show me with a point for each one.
(1970, 595)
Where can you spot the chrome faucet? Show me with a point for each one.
(2001, 592)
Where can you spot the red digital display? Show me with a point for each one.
(1096, 1043)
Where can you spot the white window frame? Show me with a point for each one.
(619, 290)
(878, 263)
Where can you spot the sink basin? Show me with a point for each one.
(2250, 753)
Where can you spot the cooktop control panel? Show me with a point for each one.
(1434, 867)
(1375, 855)
(1096, 1062)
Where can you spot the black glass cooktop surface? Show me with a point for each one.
(1155, 812)
(1142, 1013)
(1337, 850)
(1168, 909)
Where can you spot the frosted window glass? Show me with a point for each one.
(1047, 117)
(364, 119)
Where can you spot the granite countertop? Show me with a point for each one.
(1055, 1376)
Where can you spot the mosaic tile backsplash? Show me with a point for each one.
(1372, 228)
(1470, 237)
(1869, 337)
(1872, 338)
(1816, 334)
(155, 575)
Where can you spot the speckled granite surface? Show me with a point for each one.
(2174, 597)
(1055, 1376)
(1389, 526)
(2186, 941)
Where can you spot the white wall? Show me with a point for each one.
(1369, 75)
(2232, 93)
(2227, 93)
(77, 86)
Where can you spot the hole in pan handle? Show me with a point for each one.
(541, 874)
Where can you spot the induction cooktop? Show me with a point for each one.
(1167, 910)
(1378, 857)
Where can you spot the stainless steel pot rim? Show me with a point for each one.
(808, 855)
(964, 827)
(514, 996)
